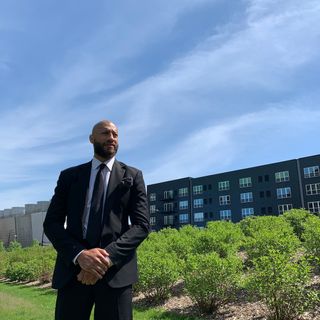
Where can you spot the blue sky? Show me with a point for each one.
(196, 87)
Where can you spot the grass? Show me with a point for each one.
(18, 302)
(26, 303)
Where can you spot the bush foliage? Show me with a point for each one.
(283, 284)
(279, 254)
(211, 280)
(28, 264)
(266, 234)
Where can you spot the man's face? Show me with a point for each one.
(104, 138)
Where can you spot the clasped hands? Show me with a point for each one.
(94, 264)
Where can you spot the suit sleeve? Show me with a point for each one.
(66, 246)
(126, 245)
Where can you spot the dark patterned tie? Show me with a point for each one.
(95, 217)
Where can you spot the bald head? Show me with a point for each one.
(102, 124)
(104, 138)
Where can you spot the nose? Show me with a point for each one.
(112, 137)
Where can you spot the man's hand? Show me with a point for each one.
(87, 278)
(94, 261)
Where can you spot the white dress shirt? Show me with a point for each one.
(94, 170)
(106, 175)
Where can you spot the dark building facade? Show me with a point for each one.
(263, 190)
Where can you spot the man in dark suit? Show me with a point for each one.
(88, 224)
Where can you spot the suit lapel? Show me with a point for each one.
(84, 178)
(116, 176)
(80, 193)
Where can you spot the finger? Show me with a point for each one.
(101, 265)
(100, 268)
(103, 252)
(80, 276)
(104, 263)
(95, 273)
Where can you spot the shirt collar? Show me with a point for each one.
(109, 163)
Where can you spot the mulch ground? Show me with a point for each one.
(240, 310)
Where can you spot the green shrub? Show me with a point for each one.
(221, 237)
(158, 272)
(210, 280)
(3, 263)
(297, 218)
(184, 242)
(282, 284)
(19, 271)
(311, 237)
(268, 233)
(29, 264)
(14, 245)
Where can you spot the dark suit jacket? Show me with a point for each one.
(126, 197)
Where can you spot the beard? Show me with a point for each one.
(104, 153)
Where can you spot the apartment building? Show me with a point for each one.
(269, 189)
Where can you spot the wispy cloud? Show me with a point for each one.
(233, 143)
(230, 91)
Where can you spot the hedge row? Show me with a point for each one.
(27, 264)
(272, 259)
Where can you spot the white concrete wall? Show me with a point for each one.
(37, 227)
(7, 230)
(24, 230)
(24, 224)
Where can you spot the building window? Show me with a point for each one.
(245, 212)
(282, 176)
(168, 207)
(284, 207)
(153, 197)
(314, 206)
(246, 197)
(245, 182)
(198, 203)
(183, 205)
(313, 188)
(153, 221)
(223, 185)
(153, 208)
(168, 220)
(268, 193)
(183, 192)
(223, 200)
(283, 193)
(184, 218)
(168, 194)
(198, 217)
(198, 189)
(225, 214)
(311, 172)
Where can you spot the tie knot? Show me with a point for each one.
(101, 166)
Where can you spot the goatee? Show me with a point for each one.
(102, 152)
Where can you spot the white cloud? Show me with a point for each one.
(273, 131)
(263, 59)
(234, 72)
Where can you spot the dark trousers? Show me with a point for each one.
(75, 301)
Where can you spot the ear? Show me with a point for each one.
(91, 138)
